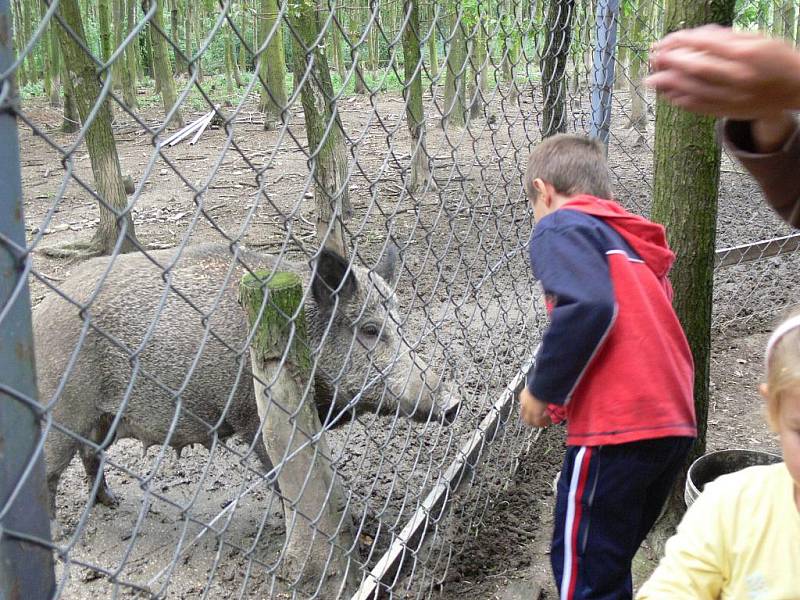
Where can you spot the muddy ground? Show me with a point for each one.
(465, 293)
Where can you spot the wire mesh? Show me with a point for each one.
(376, 150)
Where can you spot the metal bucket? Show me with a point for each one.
(710, 466)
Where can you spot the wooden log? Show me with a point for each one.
(319, 553)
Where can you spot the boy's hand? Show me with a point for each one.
(532, 410)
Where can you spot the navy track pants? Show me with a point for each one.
(608, 499)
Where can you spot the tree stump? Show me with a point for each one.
(319, 544)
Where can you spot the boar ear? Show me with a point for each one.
(387, 265)
(333, 278)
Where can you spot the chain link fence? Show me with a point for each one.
(338, 423)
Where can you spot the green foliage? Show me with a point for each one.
(32, 89)
(747, 12)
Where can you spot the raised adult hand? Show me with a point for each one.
(717, 71)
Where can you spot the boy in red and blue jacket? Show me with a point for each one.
(614, 362)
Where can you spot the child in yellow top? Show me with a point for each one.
(741, 538)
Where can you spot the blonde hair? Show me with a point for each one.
(572, 164)
(783, 364)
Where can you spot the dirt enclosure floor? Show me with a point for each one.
(466, 293)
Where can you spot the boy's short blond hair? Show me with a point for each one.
(572, 164)
(783, 369)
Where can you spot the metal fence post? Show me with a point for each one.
(603, 67)
(26, 559)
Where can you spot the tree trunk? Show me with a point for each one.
(638, 56)
(161, 67)
(357, 54)
(506, 27)
(455, 93)
(433, 55)
(777, 18)
(129, 66)
(229, 60)
(479, 68)
(763, 16)
(191, 12)
(52, 62)
(686, 182)
(373, 18)
(241, 62)
(327, 152)
(319, 533)
(412, 92)
(627, 19)
(272, 66)
(99, 137)
(237, 73)
(187, 33)
(558, 29)
(71, 120)
(104, 27)
(335, 42)
(119, 26)
(789, 19)
(27, 32)
(19, 42)
(175, 19)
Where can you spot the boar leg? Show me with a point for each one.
(91, 461)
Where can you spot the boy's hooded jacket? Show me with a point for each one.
(614, 356)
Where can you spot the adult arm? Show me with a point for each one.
(771, 152)
(754, 82)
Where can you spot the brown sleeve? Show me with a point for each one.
(778, 173)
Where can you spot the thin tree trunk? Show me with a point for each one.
(71, 120)
(797, 30)
(30, 61)
(161, 67)
(104, 27)
(229, 60)
(147, 57)
(328, 162)
(789, 19)
(19, 27)
(191, 16)
(638, 56)
(187, 31)
(51, 64)
(130, 67)
(175, 19)
(99, 138)
(558, 29)
(763, 16)
(272, 66)
(479, 68)
(118, 10)
(415, 113)
(455, 92)
(237, 74)
(433, 54)
(372, 36)
(505, 36)
(335, 42)
(777, 18)
(627, 20)
(357, 55)
(241, 65)
(686, 182)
